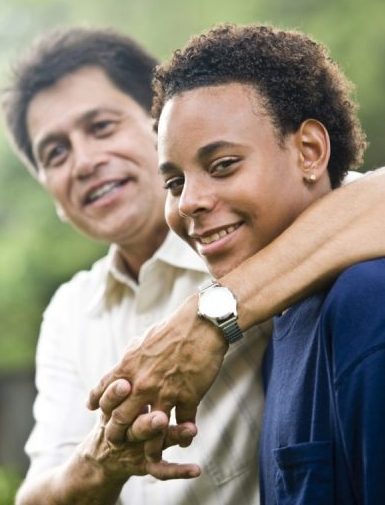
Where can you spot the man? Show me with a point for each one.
(94, 152)
(78, 112)
(262, 146)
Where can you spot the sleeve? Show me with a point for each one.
(61, 417)
(356, 319)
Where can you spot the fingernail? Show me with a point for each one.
(187, 433)
(195, 472)
(157, 422)
(122, 388)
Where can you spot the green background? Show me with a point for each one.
(37, 252)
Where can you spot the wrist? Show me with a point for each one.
(90, 465)
(218, 305)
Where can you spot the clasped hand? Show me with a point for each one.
(174, 367)
(120, 460)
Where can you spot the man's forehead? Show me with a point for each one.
(76, 97)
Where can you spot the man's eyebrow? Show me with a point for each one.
(89, 115)
(210, 149)
(92, 113)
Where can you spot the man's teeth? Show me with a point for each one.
(102, 190)
(217, 235)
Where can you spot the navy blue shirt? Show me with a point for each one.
(323, 437)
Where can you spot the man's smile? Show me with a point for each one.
(103, 189)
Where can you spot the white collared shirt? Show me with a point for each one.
(87, 326)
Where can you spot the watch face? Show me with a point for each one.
(217, 302)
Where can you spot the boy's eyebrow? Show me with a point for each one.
(202, 153)
(210, 149)
(167, 167)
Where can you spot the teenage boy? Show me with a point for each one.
(254, 125)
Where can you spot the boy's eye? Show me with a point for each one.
(222, 166)
(174, 185)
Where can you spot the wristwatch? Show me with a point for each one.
(218, 305)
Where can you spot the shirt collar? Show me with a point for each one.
(173, 251)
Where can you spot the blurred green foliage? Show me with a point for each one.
(37, 252)
(9, 482)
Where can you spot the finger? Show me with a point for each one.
(165, 471)
(122, 418)
(147, 426)
(114, 395)
(153, 448)
(185, 413)
(96, 393)
(181, 434)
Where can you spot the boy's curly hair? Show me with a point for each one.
(293, 74)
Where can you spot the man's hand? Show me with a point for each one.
(117, 461)
(174, 367)
(96, 472)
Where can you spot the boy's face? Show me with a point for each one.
(96, 155)
(232, 187)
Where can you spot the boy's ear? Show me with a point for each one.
(314, 149)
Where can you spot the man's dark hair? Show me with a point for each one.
(294, 76)
(61, 52)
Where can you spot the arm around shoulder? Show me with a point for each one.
(342, 228)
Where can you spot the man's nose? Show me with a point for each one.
(87, 157)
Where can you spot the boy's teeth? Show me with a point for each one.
(211, 238)
(217, 235)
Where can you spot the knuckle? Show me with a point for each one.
(144, 387)
(139, 428)
(118, 418)
(167, 398)
(163, 473)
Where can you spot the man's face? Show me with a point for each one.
(232, 187)
(96, 156)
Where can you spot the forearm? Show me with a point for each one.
(344, 227)
(76, 483)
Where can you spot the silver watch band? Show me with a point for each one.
(231, 330)
(226, 321)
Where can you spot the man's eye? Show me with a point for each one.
(55, 156)
(104, 127)
(174, 185)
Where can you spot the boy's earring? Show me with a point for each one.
(310, 178)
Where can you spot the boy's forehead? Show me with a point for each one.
(203, 122)
(220, 96)
(225, 102)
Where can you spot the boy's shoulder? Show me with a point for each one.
(353, 313)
